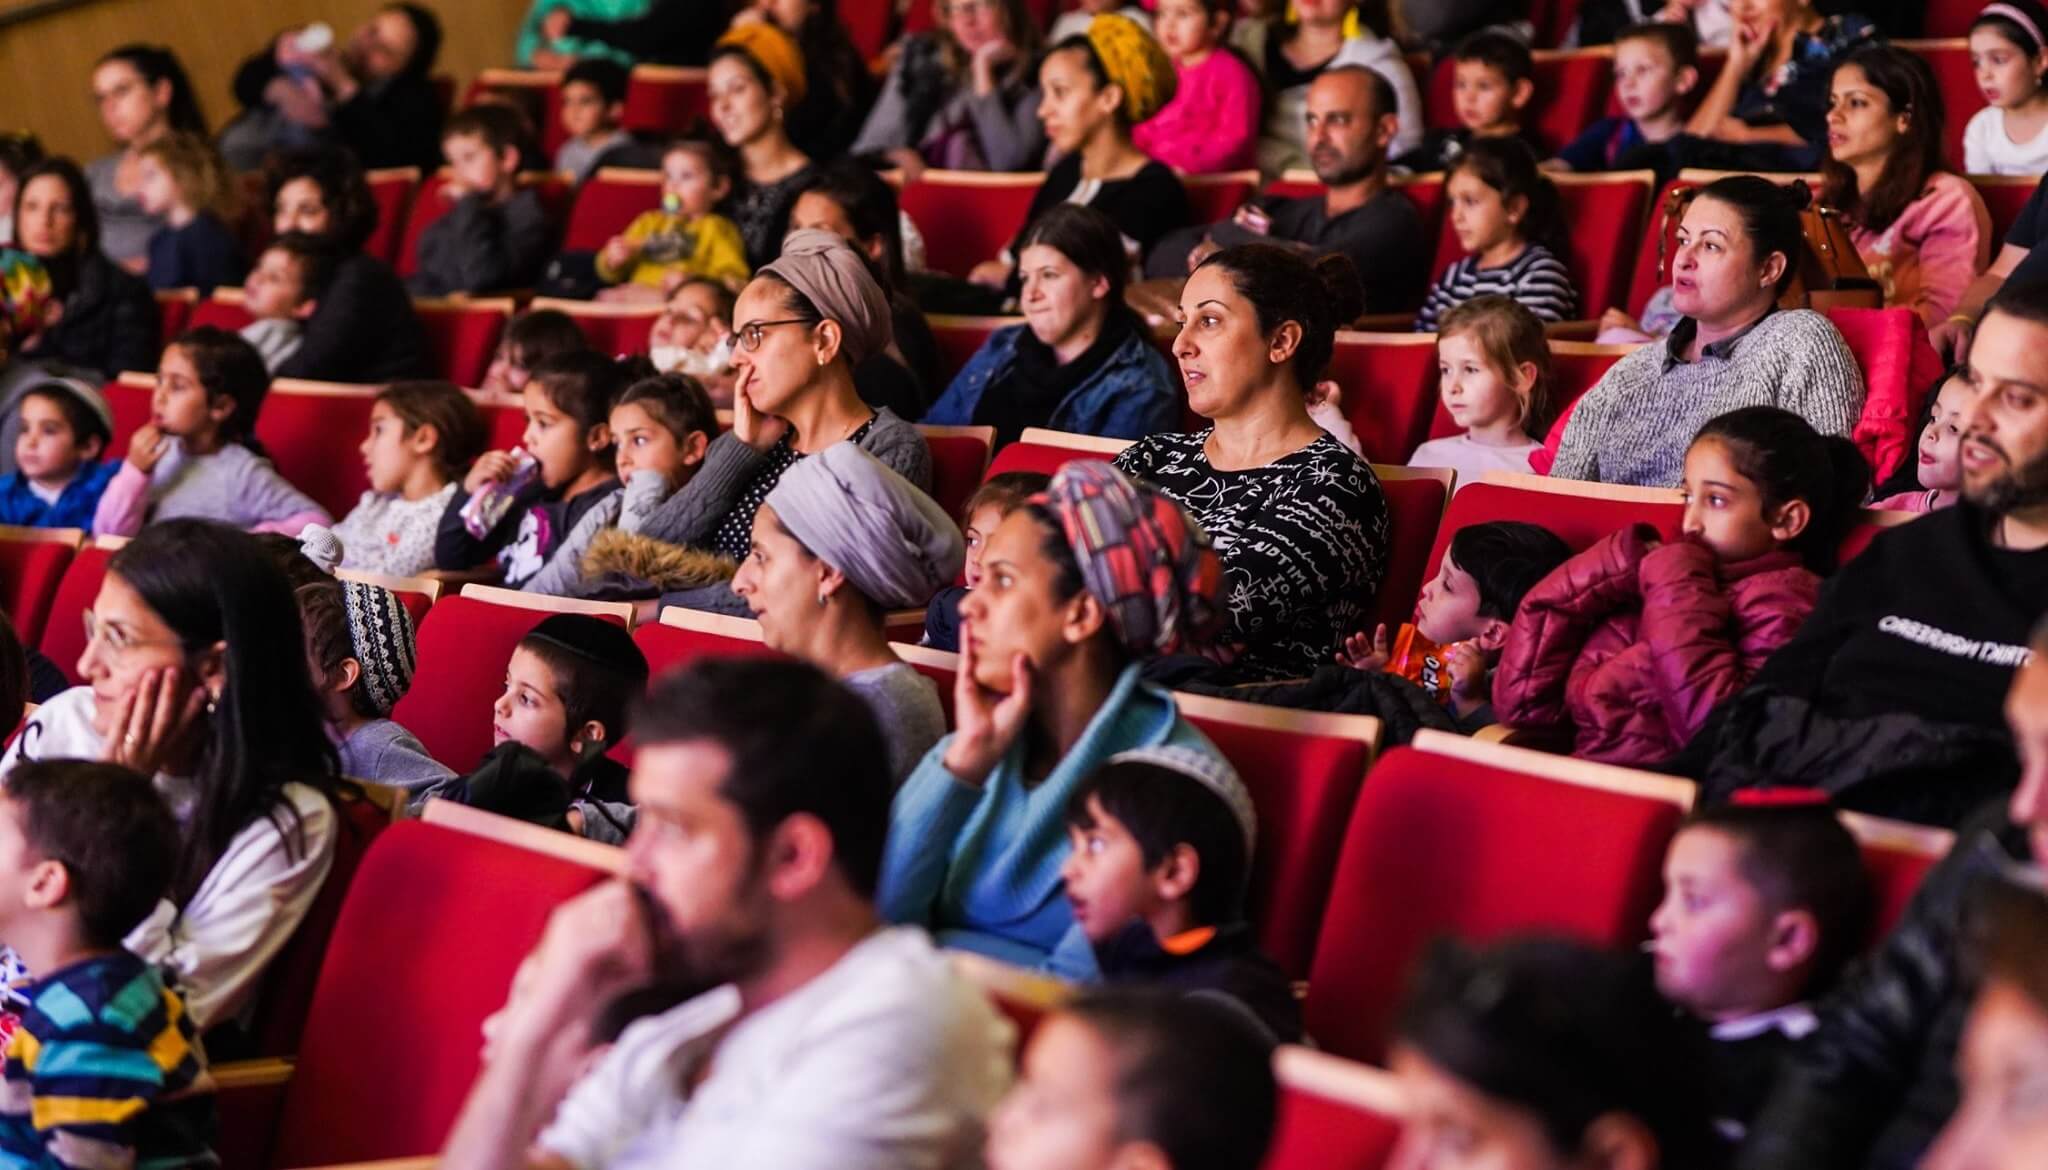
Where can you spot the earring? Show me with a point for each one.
(823, 598)
(212, 703)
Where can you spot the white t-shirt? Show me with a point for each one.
(887, 1061)
(1988, 151)
(218, 945)
(1472, 460)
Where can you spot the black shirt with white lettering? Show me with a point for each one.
(1931, 619)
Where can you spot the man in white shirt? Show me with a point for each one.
(828, 1041)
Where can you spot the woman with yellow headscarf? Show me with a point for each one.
(756, 78)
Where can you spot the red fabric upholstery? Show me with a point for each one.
(1950, 18)
(959, 338)
(668, 647)
(432, 929)
(393, 192)
(1572, 88)
(662, 101)
(30, 572)
(1895, 876)
(505, 425)
(1957, 83)
(2004, 196)
(867, 25)
(966, 223)
(1577, 520)
(312, 438)
(464, 338)
(1437, 847)
(63, 637)
(1213, 198)
(131, 407)
(958, 463)
(173, 311)
(1416, 508)
(463, 647)
(613, 334)
(1302, 785)
(228, 315)
(537, 95)
(1900, 368)
(1040, 457)
(1390, 390)
(1314, 1132)
(1605, 219)
(605, 204)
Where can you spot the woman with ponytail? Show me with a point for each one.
(143, 94)
(1631, 643)
(1297, 517)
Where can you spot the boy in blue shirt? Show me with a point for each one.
(66, 426)
(1656, 67)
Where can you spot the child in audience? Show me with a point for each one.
(1212, 122)
(1162, 843)
(514, 507)
(1935, 478)
(690, 335)
(593, 106)
(182, 178)
(1493, 369)
(1656, 66)
(196, 456)
(496, 236)
(1544, 1052)
(1134, 1079)
(1632, 642)
(284, 290)
(1763, 906)
(990, 504)
(685, 236)
(1462, 618)
(2010, 135)
(104, 1067)
(423, 438)
(59, 474)
(661, 427)
(531, 338)
(1493, 80)
(1507, 218)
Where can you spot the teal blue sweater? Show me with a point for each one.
(980, 867)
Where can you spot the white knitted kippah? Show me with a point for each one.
(1211, 772)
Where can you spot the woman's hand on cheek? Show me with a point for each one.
(750, 426)
(154, 721)
(985, 724)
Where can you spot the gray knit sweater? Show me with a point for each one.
(1634, 426)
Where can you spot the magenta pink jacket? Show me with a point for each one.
(1212, 123)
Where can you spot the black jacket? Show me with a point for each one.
(393, 123)
(1228, 966)
(109, 321)
(479, 246)
(673, 32)
(1874, 1085)
(363, 330)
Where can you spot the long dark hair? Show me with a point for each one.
(1322, 296)
(211, 583)
(1788, 460)
(1508, 166)
(159, 63)
(82, 209)
(871, 209)
(351, 209)
(1908, 84)
(229, 367)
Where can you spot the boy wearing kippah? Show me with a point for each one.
(1162, 843)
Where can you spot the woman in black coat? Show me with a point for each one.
(108, 317)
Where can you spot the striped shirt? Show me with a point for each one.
(104, 1071)
(1537, 278)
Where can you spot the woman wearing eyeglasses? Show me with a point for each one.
(799, 329)
(186, 684)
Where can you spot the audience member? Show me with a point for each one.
(108, 319)
(682, 238)
(2009, 136)
(1767, 111)
(1350, 119)
(1494, 376)
(373, 94)
(757, 73)
(1148, 1079)
(1656, 69)
(364, 328)
(841, 542)
(1048, 688)
(183, 184)
(1289, 56)
(693, 335)
(1298, 518)
(1935, 478)
(1877, 1081)
(1493, 82)
(1160, 844)
(2004, 1042)
(198, 456)
(991, 504)
(1738, 248)
(104, 1061)
(19, 150)
(531, 338)
(1082, 360)
(533, 49)
(1510, 223)
(593, 108)
(824, 1040)
(142, 94)
(661, 32)
(1887, 697)
(1212, 121)
(963, 96)
(423, 438)
(27, 306)
(186, 682)
(60, 468)
(1922, 231)
(282, 291)
(495, 234)
(1074, 22)
(838, 87)
(1545, 1053)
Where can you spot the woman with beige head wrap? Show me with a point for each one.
(1096, 87)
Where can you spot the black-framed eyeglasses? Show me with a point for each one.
(750, 333)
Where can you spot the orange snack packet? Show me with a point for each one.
(1421, 662)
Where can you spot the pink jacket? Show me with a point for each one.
(1212, 123)
(1931, 253)
(1631, 644)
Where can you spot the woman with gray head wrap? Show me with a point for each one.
(840, 542)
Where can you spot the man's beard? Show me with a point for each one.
(682, 967)
(2018, 486)
(1347, 175)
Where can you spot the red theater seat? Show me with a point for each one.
(663, 100)
(63, 636)
(464, 333)
(505, 423)
(1415, 507)
(32, 565)
(311, 431)
(960, 338)
(613, 330)
(2004, 196)
(1044, 451)
(392, 190)
(128, 396)
(1897, 856)
(1214, 197)
(1390, 390)
(684, 635)
(223, 310)
(1475, 840)
(1335, 1114)
(1957, 83)
(535, 93)
(174, 312)
(968, 216)
(606, 203)
(1950, 18)
(1900, 368)
(959, 462)
(1605, 215)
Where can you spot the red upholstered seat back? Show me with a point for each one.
(173, 310)
(393, 191)
(63, 636)
(1899, 367)
(464, 337)
(1315, 1132)
(1212, 198)
(2004, 196)
(1604, 217)
(1956, 81)
(131, 406)
(1950, 18)
(614, 331)
(1572, 89)
(428, 937)
(606, 203)
(31, 569)
(967, 218)
(668, 647)
(1416, 508)
(505, 425)
(958, 463)
(1895, 876)
(663, 100)
(1043, 458)
(1390, 390)
(312, 438)
(960, 338)
(1578, 520)
(230, 315)
(1439, 846)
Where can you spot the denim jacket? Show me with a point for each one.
(1133, 395)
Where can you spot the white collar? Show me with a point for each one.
(1795, 1020)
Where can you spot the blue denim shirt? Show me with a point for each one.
(1134, 394)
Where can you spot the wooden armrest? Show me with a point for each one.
(457, 578)
(1384, 323)
(1572, 330)
(251, 1074)
(1554, 741)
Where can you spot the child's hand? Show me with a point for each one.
(146, 448)
(1468, 673)
(992, 273)
(1361, 653)
(618, 252)
(490, 467)
(1327, 393)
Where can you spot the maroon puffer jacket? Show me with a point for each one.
(1631, 643)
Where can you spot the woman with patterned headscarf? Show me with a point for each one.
(1096, 88)
(1079, 587)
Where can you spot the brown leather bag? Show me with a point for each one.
(1827, 274)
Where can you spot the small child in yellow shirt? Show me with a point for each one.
(685, 237)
